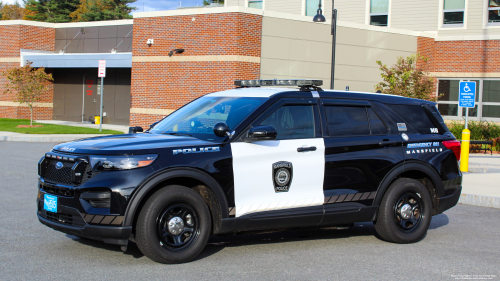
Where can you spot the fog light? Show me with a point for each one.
(97, 199)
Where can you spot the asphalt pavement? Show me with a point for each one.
(462, 243)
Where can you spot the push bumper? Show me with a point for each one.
(449, 201)
(107, 234)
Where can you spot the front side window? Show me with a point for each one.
(292, 122)
(255, 4)
(312, 7)
(379, 12)
(198, 118)
(494, 12)
(453, 12)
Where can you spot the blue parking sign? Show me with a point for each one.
(467, 94)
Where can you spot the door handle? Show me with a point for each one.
(387, 143)
(310, 148)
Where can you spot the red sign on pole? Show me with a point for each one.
(102, 68)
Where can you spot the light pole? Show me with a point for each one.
(320, 18)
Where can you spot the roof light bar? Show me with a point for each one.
(278, 82)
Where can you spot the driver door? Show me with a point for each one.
(282, 178)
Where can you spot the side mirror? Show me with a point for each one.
(154, 124)
(133, 130)
(261, 133)
(221, 130)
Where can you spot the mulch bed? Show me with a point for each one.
(28, 126)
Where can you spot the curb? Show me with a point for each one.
(479, 200)
(484, 170)
(42, 138)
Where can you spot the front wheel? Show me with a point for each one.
(405, 212)
(173, 226)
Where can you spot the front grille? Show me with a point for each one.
(59, 218)
(58, 190)
(62, 175)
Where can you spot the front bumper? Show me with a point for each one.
(106, 228)
(107, 234)
(449, 201)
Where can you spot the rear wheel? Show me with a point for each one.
(173, 226)
(405, 212)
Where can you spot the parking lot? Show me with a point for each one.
(463, 242)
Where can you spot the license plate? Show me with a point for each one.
(50, 203)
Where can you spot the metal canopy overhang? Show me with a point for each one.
(78, 60)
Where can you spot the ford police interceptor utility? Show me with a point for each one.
(256, 158)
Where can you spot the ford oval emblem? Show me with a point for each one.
(59, 165)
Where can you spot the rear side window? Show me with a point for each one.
(353, 121)
(377, 127)
(414, 116)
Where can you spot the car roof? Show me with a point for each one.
(254, 92)
(268, 92)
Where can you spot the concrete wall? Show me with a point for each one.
(300, 49)
(406, 14)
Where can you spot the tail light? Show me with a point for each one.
(453, 145)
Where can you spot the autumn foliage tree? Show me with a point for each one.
(97, 10)
(12, 11)
(28, 84)
(407, 78)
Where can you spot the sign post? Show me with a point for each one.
(467, 99)
(102, 74)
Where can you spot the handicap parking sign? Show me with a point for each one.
(467, 94)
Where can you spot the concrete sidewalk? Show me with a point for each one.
(481, 190)
(10, 136)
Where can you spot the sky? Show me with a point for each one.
(150, 5)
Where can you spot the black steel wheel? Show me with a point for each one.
(173, 226)
(408, 212)
(178, 227)
(405, 212)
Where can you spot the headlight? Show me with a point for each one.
(122, 162)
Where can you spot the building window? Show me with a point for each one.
(257, 4)
(494, 12)
(487, 100)
(312, 7)
(453, 12)
(379, 12)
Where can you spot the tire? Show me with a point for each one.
(405, 212)
(164, 231)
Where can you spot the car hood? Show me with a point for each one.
(129, 144)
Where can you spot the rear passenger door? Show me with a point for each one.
(360, 149)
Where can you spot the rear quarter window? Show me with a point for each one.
(415, 117)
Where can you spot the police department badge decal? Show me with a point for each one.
(282, 176)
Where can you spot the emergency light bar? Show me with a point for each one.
(277, 82)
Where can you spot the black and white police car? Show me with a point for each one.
(256, 158)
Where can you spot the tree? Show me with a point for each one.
(96, 10)
(28, 84)
(407, 78)
(50, 10)
(11, 12)
(208, 2)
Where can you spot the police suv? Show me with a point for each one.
(256, 158)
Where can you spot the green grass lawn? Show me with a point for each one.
(10, 125)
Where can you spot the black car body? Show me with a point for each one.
(339, 152)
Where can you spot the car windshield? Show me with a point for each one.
(198, 118)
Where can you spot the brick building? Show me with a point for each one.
(160, 60)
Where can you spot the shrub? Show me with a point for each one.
(479, 130)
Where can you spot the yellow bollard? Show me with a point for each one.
(464, 157)
(97, 119)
